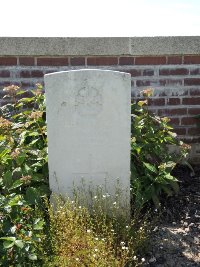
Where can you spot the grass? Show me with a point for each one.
(96, 234)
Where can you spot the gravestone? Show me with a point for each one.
(88, 127)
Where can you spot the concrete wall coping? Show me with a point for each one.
(98, 46)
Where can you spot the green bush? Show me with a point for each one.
(151, 162)
(23, 145)
(23, 175)
(21, 231)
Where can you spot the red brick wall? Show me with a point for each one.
(175, 80)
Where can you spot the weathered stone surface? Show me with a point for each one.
(88, 123)
(62, 46)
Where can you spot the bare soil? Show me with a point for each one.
(176, 238)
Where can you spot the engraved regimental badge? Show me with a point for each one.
(88, 101)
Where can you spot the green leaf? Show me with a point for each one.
(138, 149)
(23, 137)
(175, 186)
(149, 192)
(38, 224)
(27, 169)
(21, 158)
(32, 257)
(16, 184)
(19, 243)
(17, 173)
(20, 92)
(150, 167)
(32, 195)
(34, 141)
(4, 152)
(168, 176)
(167, 190)
(38, 177)
(8, 238)
(26, 100)
(2, 137)
(34, 133)
(15, 200)
(7, 179)
(44, 190)
(9, 242)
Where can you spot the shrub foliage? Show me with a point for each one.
(23, 175)
(151, 161)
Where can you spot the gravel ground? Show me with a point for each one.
(176, 239)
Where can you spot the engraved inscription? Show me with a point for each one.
(88, 101)
(64, 104)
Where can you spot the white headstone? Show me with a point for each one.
(88, 127)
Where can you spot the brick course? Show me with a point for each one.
(150, 60)
(177, 71)
(99, 61)
(8, 61)
(27, 61)
(192, 59)
(4, 74)
(52, 61)
(174, 60)
(126, 60)
(77, 61)
(174, 78)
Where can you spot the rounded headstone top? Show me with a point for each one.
(88, 71)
